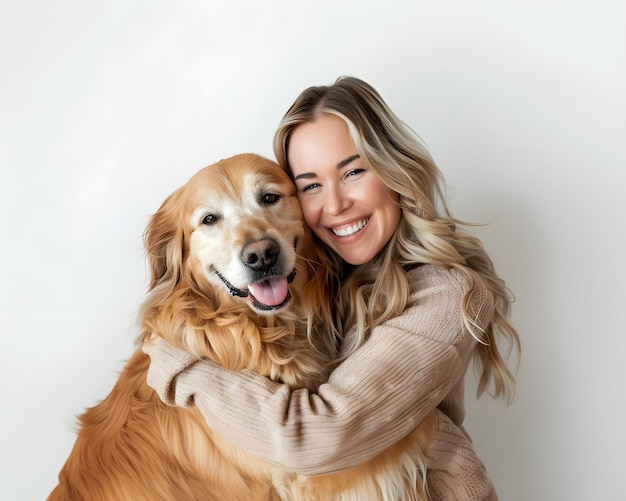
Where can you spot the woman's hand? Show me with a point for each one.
(150, 344)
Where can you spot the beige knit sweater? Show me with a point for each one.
(409, 366)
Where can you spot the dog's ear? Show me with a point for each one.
(164, 241)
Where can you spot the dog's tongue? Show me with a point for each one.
(271, 292)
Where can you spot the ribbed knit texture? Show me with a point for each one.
(408, 367)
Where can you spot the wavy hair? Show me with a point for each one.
(370, 294)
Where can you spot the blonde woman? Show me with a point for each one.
(416, 299)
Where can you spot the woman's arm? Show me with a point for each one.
(373, 399)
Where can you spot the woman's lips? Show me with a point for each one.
(346, 231)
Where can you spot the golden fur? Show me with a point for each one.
(132, 446)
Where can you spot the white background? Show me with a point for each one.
(107, 107)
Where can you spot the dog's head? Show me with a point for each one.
(223, 250)
(233, 227)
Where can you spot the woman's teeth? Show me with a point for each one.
(350, 230)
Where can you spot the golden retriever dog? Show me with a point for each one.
(232, 280)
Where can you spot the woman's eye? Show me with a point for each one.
(354, 172)
(270, 198)
(210, 219)
(309, 187)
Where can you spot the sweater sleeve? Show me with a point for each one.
(373, 399)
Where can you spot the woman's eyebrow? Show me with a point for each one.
(305, 175)
(346, 161)
(340, 165)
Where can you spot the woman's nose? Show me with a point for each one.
(336, 201)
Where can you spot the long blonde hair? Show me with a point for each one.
(374, 292)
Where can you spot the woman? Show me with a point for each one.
(415, 299)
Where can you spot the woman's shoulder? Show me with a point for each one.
(426, 277)
(435, 305)
(444, 289)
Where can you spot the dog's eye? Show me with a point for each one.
(270, 198)
(210, 219)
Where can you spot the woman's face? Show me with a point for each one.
(343, 201)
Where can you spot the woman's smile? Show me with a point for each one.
(347, 231)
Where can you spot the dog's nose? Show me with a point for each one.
(260, 255)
